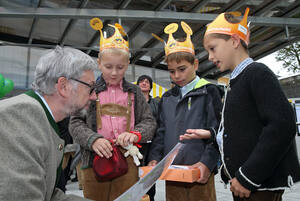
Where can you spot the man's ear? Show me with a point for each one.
(62, 87)
(236, 41)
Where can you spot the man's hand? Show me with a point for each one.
(124, 139)
(102, 147)
(195, 134)
(152, 163)
(238, 190)
(204, 172)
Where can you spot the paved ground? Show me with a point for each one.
(222, 194)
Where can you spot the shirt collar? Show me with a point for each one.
(189, 87)
(239, 68)
(120, 85)
(45, 103)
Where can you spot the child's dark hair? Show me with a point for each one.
(232, 18)
(180, 56)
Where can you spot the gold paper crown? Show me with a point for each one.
(175, 46)
(117, 40)
(222, 26)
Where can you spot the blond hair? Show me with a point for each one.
(115, 51)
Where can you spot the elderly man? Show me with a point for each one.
(31, 147)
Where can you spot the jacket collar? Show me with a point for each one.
(52, 122)
(198, 88)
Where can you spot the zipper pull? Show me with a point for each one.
(189, 103)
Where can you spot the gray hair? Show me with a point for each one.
(60, 62)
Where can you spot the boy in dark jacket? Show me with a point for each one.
(257, 131)
(192, 103)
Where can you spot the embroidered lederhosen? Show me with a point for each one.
(110, 190)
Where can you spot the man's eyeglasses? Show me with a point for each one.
(91, 86)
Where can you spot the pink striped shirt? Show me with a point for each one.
(114, 126)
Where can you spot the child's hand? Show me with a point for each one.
(238, 190)
(124, 139)
(204, 172)
(102, 147)
(195, 134)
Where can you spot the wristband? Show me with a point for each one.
(138, 134)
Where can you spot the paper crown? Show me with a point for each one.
(223, 26)
(117, 40)
(175, 46)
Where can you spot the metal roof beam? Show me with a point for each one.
(289, 13)
(233, 5)
(150, 43)
(124, 4)
(158, 59)
(138, 26)
(96, 35)
(199, 5)
(162, 5)
(267, 7)
(158, 16)
(33, 24)
(237, 5)
(71, 24)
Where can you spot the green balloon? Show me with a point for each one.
(1, 82)
(1, 94)
(8, 86)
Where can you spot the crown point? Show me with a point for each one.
(121, 29)
(186, 28)
(96, 23)
(171, 28)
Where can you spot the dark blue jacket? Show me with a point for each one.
(199, 108)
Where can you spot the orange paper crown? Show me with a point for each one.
(222, 26)
(115, 41)
(175, 46)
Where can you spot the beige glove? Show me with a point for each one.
(134, 152)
